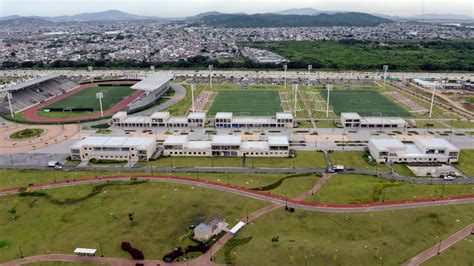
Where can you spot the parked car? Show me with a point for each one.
(449, 178)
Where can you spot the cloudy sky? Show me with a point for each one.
(176, 8)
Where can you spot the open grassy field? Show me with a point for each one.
(353, 189)
(364, 102)
(466, 162)
(303, 159)
(462, 249)
(87, 98)
(356, 160)
(247, 102)
(88, 215)
(376, 238)
(428, 55)
(403, 170)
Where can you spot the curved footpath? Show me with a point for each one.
(275, 199)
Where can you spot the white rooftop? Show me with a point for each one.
(140, 142)
(178, 120)
(237, 227)
(284, 115)
(278, 140)
(223, 115)
(176, 140)
(85, 251)
(252, 120)
(350, 115)
(120, 114)
(198, 145)
(153, 81)
(136, 119)
(387, 143)
(435, 143)
(197, 115)
(254, 145)
(30, 82)
(162, 115)
(226, 140)
(382, 120)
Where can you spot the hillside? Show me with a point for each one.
(275, 20)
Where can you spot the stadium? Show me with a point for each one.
(52, 99)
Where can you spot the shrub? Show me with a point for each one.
(170, 257)
(135, 253)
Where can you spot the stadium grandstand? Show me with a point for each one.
(29, 92)
(155, 86)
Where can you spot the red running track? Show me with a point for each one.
(313, 206)
(30, 113)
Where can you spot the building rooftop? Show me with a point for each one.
(224, 115)
(136, 119)
(284, 116)
(178, 120)
(162, 115)
(197, 115)
(350, 115)
(435, 143)
(139, 142)
(176, 140)
(153, 81)
(195, 144)
(120, 114)
(254, 145)
(30, 82)
(226, 140)
(387, 143)
(278, 140)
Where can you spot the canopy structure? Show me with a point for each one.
(30, 82)
(153, 81)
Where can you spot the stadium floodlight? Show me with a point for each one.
(152, 68)
(9, 97)
(192, 97)
(434, 85)
(210, 75)
(285, 67)
(99, 96)
(295, 89)
(329, 88)
(309, 72)
(385, 69)
(90, 68)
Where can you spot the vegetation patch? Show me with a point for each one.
(278, 183)
(4, 244)
(231, 245)
(27, 134)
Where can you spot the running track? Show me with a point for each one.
(30, 113)
(275, 199)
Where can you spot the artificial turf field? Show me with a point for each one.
(247, 102)
(364, 102)
(87, 99)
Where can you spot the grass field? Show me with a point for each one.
(356, 160)
(353, 189)
(87, 98)
(247, 102)
(79, 217)
(465, 164)
(364, 102)
(462, 249)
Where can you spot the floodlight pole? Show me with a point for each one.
(152, 68)
(385, 69)
(309, 73)
(432, 100)
(296, 97)
(90, 68)
(328, 87)
(9, 97)
(99, 96)
(285, 67)
(210, 76)
(192, 96)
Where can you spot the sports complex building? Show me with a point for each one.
(421, 151)
(354, 120)
(198, 119)
(227, 146)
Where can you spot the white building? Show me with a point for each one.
(354, 120)
(227, 120)
(226, 146)
(114, 148)
(426, 150)
(159, 119)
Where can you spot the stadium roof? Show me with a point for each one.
(153, 81)
(30, 82)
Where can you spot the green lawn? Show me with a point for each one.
(303, 159)
(403, 170)
(356, 160)
(75, 217)
(466, 162)
(353, 189)
(87, 98)
(26, 134)
(376, 238)
(247, 102)
(364, 102)
(461, 253)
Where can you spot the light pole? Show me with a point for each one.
(329, 88)
(385, 69)
(285, 67)
(152, 68)
(9, 97)
(90, 68)
(192, 96)
(309, 73)
(210, 75)
(99, 96)
(295, 89)
(432, 100)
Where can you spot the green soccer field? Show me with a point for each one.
(364, 102)
(247, 102)
(87, 99)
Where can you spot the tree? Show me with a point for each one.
(131, 216)
(12, 211)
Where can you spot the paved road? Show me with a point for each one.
(440, 247)
(297, 204)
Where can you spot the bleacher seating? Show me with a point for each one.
(34, 94)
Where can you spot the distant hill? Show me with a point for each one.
(308, 11)
(25, 21)
(441, 17)
(276, 20)
(109, 15)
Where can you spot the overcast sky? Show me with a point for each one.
(177, 8)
